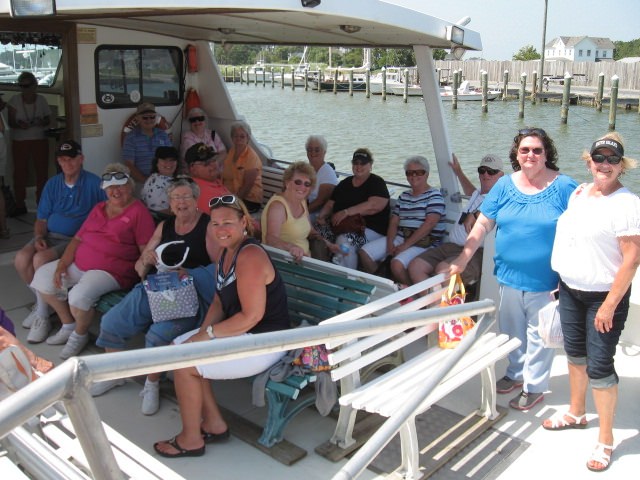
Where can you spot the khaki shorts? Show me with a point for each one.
(448, 252)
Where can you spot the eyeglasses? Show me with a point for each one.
(415, 173)
(223, 200)
(490, 171)
(196, 119)
(314, 149)
(182, 178)
(181, 197)
(526, 150)
(299, 182)
(611, 159)
(111, 175)
(148, 117)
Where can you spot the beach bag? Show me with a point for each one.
(351, 224)
(171, 296)
(451, 331)
(313, 358)
(549, 327)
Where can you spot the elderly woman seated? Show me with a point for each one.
(415, 224)
(316, 147)
(200, 133)
(285, 218)
(133, 314)
(358, 211)
(242, 170)
(100, 258)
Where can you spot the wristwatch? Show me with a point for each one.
(209, 331)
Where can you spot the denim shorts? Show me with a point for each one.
(582, 342)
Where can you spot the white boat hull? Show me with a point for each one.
(468, 97)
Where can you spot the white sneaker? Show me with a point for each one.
(61, 336)
(75, 345)
(40, 329)
(150, 398)
(27, 322)
(99, 388)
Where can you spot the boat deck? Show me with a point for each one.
(560, 454)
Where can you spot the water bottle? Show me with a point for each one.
(63, 292)
(345, 249)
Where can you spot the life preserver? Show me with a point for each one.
(132, 122)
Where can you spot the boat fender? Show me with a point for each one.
(191, 52)
(132, 122)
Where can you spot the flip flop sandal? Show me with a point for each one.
(558, 422)
(599, 455)
(214, 437)
(181, 452)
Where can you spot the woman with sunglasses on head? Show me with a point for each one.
(250, 298)
(163, 170)
(100, 258)
(242, 169)
(199, 133)
(29, 116)
(132, 315)
(285, 218)
(416, 224)
(364, 195)
(596, 252)
(525, 207)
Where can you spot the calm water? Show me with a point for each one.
(393, 130)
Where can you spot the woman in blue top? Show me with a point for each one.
(525, 207)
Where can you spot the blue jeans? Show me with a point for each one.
(518, 317)
(582, 342)
(132, 315)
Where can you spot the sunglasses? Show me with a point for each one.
(526, 150)
(111, 175)
(223, 200)
(196, 119)
(490, 171)
(415, 173)
(299, 182)
(611, 159)
(525, 132)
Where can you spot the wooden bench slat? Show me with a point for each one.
(322, 277)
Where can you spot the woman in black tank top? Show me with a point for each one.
(251, 298)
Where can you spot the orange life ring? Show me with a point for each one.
(132, 122)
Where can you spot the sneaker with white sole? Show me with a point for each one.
(99, 388)
(39, 329)
(526, 400)
(150, 398)
(28, 322)
(60, 337)
(75, 345)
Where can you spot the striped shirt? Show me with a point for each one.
(413, 210)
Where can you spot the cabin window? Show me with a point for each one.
(588, 53)
(129, 75)
(35, 52)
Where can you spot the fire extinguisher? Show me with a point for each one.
(192, 58)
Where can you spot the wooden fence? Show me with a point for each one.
(588, 72)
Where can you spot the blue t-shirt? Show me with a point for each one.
(140, 148)
(66, 208)
(525, 231)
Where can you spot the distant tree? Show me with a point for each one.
(439, 54)
(527, 52)
(626, 49)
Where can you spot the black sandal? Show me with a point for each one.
(196, 452)
(215, 437)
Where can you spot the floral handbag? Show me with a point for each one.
(313, 358)
(452, 330)
(171, 296)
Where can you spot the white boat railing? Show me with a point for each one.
(70, 381)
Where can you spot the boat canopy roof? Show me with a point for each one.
(352, 23)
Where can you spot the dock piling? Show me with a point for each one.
(505, 85)
(484, 82)
(600, 92)
(613, 106)
(523, 86)
(534, 87)
(384, 84)
(405, 90)
(566, 92)
(367, 82)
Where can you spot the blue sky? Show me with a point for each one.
(507, 25)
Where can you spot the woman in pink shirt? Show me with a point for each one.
(100, 258)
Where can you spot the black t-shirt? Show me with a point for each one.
(195, 240)
(345, 195)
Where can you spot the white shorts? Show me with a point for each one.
(377, 250)
(230, 369)
(87, 289)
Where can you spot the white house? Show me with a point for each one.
(580, 49)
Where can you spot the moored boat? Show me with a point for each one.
(466, 93)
